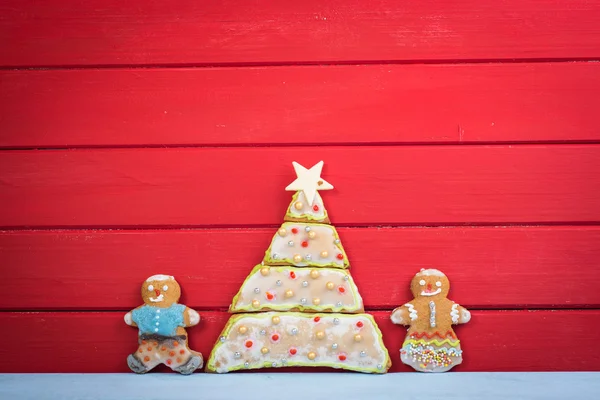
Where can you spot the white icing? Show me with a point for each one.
(422, 282)
(424, 293)
(309, 180)
(430, 272)
(308, 209)
(412, 312)
(165, 288)
(339, 340)
(325, 240)
(157, 299)
(272, 295)
(150, 288)
(128, 319)
(465, 315)
(438, 284)
(194, 317)
(454, 313)
(159, 278)
(397, 316)
(432, 314)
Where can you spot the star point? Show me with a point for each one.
(309, 181)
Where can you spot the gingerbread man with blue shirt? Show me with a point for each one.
(162, 322)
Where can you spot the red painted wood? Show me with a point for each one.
(282, 105)
(492, 341)
(244, 186)
(156, 32)
(504, 267)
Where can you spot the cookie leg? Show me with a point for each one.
(145, 358)
(183, 360)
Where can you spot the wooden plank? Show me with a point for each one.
(252, 386)
(502, 267)
(309, 105)
(108, 32)
(244, 186)
(492, 341)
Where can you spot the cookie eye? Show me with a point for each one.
(165, 288)
(438, 284)
(422, 282)
(150, 288)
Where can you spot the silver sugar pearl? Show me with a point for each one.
(307, 229)
(256, 290)
(308, 257)
(379, 366)
(275, 256)
(336, 241)
(304, 284)
(294, 331)
(278, 283)
(274, 364)
(334, 346)
(339, 304)
(346, 277)
(303, 300)
(237, 354)
(283, 362)
(263, 332)
(363, 353)
(291, 243)
(336, 321)
(222, 339)
(247, 364)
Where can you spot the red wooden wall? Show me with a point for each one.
(147, 137)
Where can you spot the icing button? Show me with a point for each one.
(155, 329)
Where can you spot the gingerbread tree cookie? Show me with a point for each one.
(161, 322)
(300, 306)
(431, 344)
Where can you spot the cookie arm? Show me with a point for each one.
(129, 319)
(400, 316)
(190, 317)
(459, 314)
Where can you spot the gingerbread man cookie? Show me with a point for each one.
(431, 344)
(161, 322)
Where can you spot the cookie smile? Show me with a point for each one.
(424, 293)
(156, 300)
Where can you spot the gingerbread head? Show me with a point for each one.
(430, 344)
(161, 321)
(161, 291)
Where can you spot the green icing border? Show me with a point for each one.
(267, 259)
(307, 216)
(235, 318)
(274, 307)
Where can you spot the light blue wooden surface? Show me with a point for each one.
(303, 386)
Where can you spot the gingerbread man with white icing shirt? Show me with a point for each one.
(431, 344)
(161, 321)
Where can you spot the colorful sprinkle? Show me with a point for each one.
(359, 324)
(316, 319)
(315, 208)
(248, 343)
(340, 256)
(294, 230)
(305, 244)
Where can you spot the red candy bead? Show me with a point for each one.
(317, 319)
(292, 351)
(316, 208)
(340, 256)
(342, 357)
(305, 244)
(270, 296)
(292, 275)
(294, 230)
(275, 337)
(359, 324)
(342, 289)
(248, 343)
